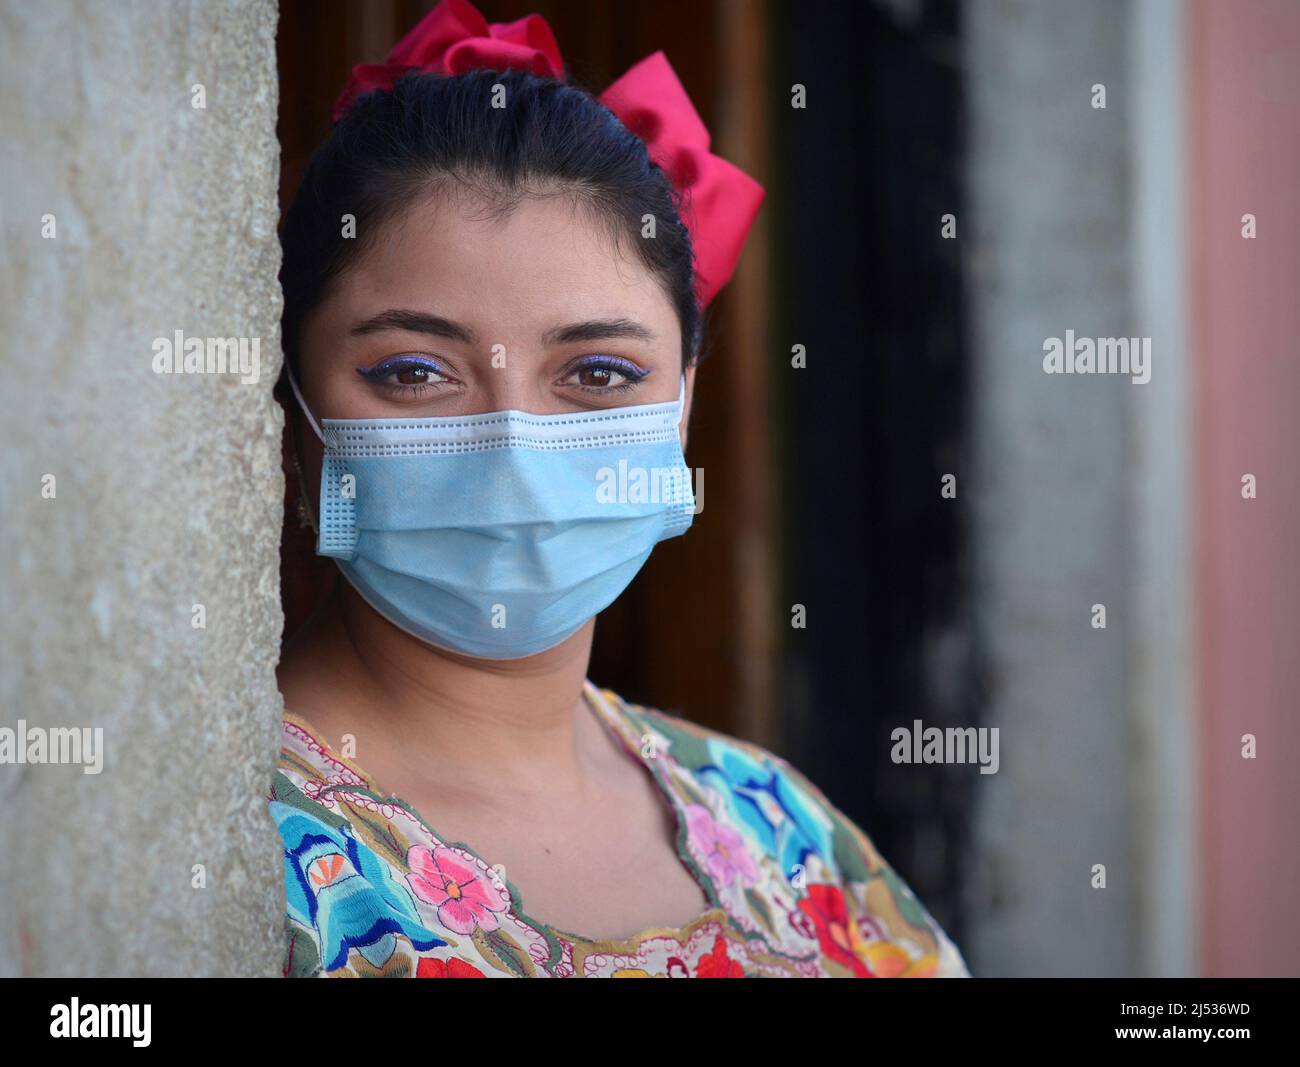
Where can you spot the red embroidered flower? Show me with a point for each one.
(717, 964)
(429, 967)
(825, 906)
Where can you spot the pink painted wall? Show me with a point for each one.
(1244, 140)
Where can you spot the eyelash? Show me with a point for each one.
(625, 368)
(378, 374)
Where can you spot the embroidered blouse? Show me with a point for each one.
(797, 890)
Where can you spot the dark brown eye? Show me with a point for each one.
(604, 373)
(413, 376)
(595, 377)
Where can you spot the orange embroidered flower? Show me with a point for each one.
(841, 939)
(324, 870)
(887, 960)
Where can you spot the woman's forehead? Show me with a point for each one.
(547, 258)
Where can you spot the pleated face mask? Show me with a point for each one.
(499, 535)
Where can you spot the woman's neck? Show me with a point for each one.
(428, 714)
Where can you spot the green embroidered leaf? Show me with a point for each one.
(499, 949)
(302, 959)
(285, 791)
(760, 909)
(907, 904)
(848, 857)
(690, 750)
(691, 794)
(381, 837)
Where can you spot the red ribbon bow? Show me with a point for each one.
(719, 201)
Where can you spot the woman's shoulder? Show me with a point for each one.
(306, 755)
(724, 760)
(822, 851)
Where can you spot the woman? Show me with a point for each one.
(492, 303)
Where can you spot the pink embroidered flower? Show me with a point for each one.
(723, 847)
(465, 898)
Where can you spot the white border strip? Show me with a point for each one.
(1165, 763)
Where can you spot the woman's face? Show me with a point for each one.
(453, 312)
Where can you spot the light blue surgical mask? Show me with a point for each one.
(499, 535)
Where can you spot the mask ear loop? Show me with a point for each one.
(293, 381)
(304, 505)
(681, 414)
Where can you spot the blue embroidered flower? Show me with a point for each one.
(786, 823)
(341, 889)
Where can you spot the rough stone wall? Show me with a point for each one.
(166, 490)
(1048, 202)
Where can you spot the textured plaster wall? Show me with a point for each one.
(167, 488)
(1049, 252)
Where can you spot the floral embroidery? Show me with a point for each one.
(763, 799)
(726, 856)
(837, 933)
(797, 889)
(465, 901)
(341, 892)
(449, 968)
(717, 964)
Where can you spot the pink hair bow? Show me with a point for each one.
(719, 201)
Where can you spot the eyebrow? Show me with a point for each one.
(415, 322)
(437, 326)
(597, 330)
